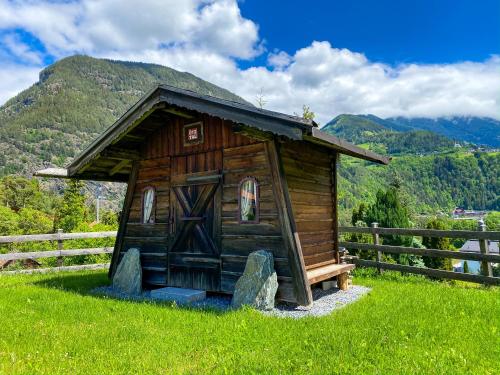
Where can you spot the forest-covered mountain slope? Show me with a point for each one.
(387, 138)
(431, 183)
(434, 173)
(477, 130)
(74, 100)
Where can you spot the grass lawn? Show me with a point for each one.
(51, 325)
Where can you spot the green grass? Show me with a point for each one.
(51, 325)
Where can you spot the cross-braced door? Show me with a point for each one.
(194, 256)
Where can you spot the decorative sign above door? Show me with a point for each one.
(193, 133)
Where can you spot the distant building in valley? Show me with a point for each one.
(461, 213)
(473, 247)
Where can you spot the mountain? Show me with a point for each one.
(430, 183)
(74, 100)
(477, 130)
(386, 137)
(434, 173)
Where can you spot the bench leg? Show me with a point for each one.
(342, 281)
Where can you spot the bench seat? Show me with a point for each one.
(328, 271)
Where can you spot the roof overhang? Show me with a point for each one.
(323, 138)
(174, 100)
(52, 172)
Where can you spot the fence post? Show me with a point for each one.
(59, 247)
(376, 241)
(485, 249)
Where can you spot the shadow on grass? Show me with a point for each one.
(92, 284)
(77, 283)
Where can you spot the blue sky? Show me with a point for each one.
(390, 58)
(422, 31)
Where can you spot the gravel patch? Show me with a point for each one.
(325, 302)
(217, 302)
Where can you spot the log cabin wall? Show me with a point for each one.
(151, 239)
(309, 174)
(164, 156)
(238, 240)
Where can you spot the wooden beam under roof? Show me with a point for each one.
(133, 137)
(114, 152)
(177, 112)
(118, 167)
(254, 133)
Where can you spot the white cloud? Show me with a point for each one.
(279, 59)
(333, 81)
(205, 37)
(20, 50)
(96, 27)
(14, 79)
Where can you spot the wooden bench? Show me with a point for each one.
(327, 271)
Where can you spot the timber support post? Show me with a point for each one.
(334, 176)
(60, 247)
(484, 248)
(302, 286)
(376, 241)
(123, 219)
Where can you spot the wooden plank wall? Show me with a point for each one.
(238, 240)
(152, 239)
(309, 177)
(168, 139)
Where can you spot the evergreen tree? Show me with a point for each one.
(466, 267)
(72, 211)
(389, 213)
(359, 214)
(437, 243)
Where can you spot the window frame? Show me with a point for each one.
(257, 201)
(153, 209)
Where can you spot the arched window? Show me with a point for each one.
(248, 201)
(148, 205)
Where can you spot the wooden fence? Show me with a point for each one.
(486, 259)
(60, 253)
(486, 276)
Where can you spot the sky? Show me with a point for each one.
(426, 58)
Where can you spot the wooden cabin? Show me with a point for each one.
(210, 181)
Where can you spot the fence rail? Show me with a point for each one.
(55, 253)
(466, 234)
(60, 253)
(481, 235)
(59, 236)
(486, 259)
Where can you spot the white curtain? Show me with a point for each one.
(248, 200)
(148, 201)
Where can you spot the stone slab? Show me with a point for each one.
(329, 284)
(128, 275)
(178, 295)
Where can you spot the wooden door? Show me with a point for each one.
(194, 256)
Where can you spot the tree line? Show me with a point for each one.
(26, 208)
